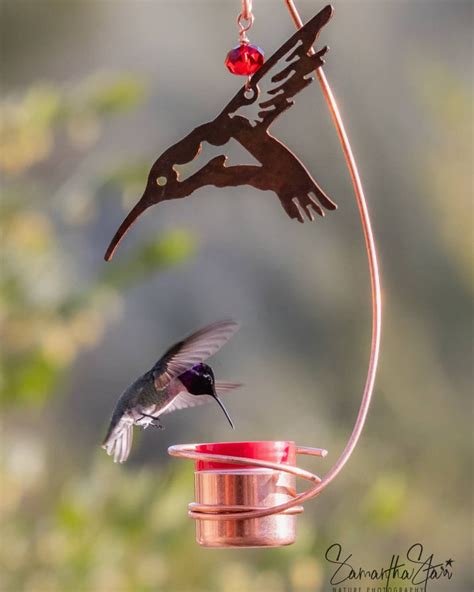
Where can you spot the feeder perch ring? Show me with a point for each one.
(228, 512)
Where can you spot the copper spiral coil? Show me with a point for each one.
(224, 512)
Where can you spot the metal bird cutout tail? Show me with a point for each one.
(288, 71)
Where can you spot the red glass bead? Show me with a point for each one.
(244, 60)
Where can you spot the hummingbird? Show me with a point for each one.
(179, 379)
(280, 171)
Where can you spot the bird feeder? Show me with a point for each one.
(238, 485)
(246, 492)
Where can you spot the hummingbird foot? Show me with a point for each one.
(150, 420)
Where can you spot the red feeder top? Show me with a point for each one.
(279, 451)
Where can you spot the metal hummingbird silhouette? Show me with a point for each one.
(280, 171)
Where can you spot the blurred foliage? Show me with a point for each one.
(147, 257)
(110, 529)
(46, 321)
(448, 104)
(28, 125)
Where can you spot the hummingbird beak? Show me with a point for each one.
(221, 405)
(139, 208)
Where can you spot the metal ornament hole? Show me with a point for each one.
(161, 181)
(250, 93)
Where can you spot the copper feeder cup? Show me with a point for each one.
(235, 482)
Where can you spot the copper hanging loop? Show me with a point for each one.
(244, 23)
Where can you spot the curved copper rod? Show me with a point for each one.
(246, 9)
(187, 450)
(373, 268)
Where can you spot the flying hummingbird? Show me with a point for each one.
(286, 73)
(178, 380)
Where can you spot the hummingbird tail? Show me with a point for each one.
(118, 441)
(221, 405)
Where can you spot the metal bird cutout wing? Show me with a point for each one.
(287, 72)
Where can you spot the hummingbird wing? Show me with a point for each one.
(191, 351)
(222, 387)
(288, 71)
(185, 400)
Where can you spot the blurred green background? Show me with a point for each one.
(93, 91)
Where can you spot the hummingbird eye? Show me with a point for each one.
(161, 181)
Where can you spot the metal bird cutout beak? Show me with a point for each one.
(129, 221)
